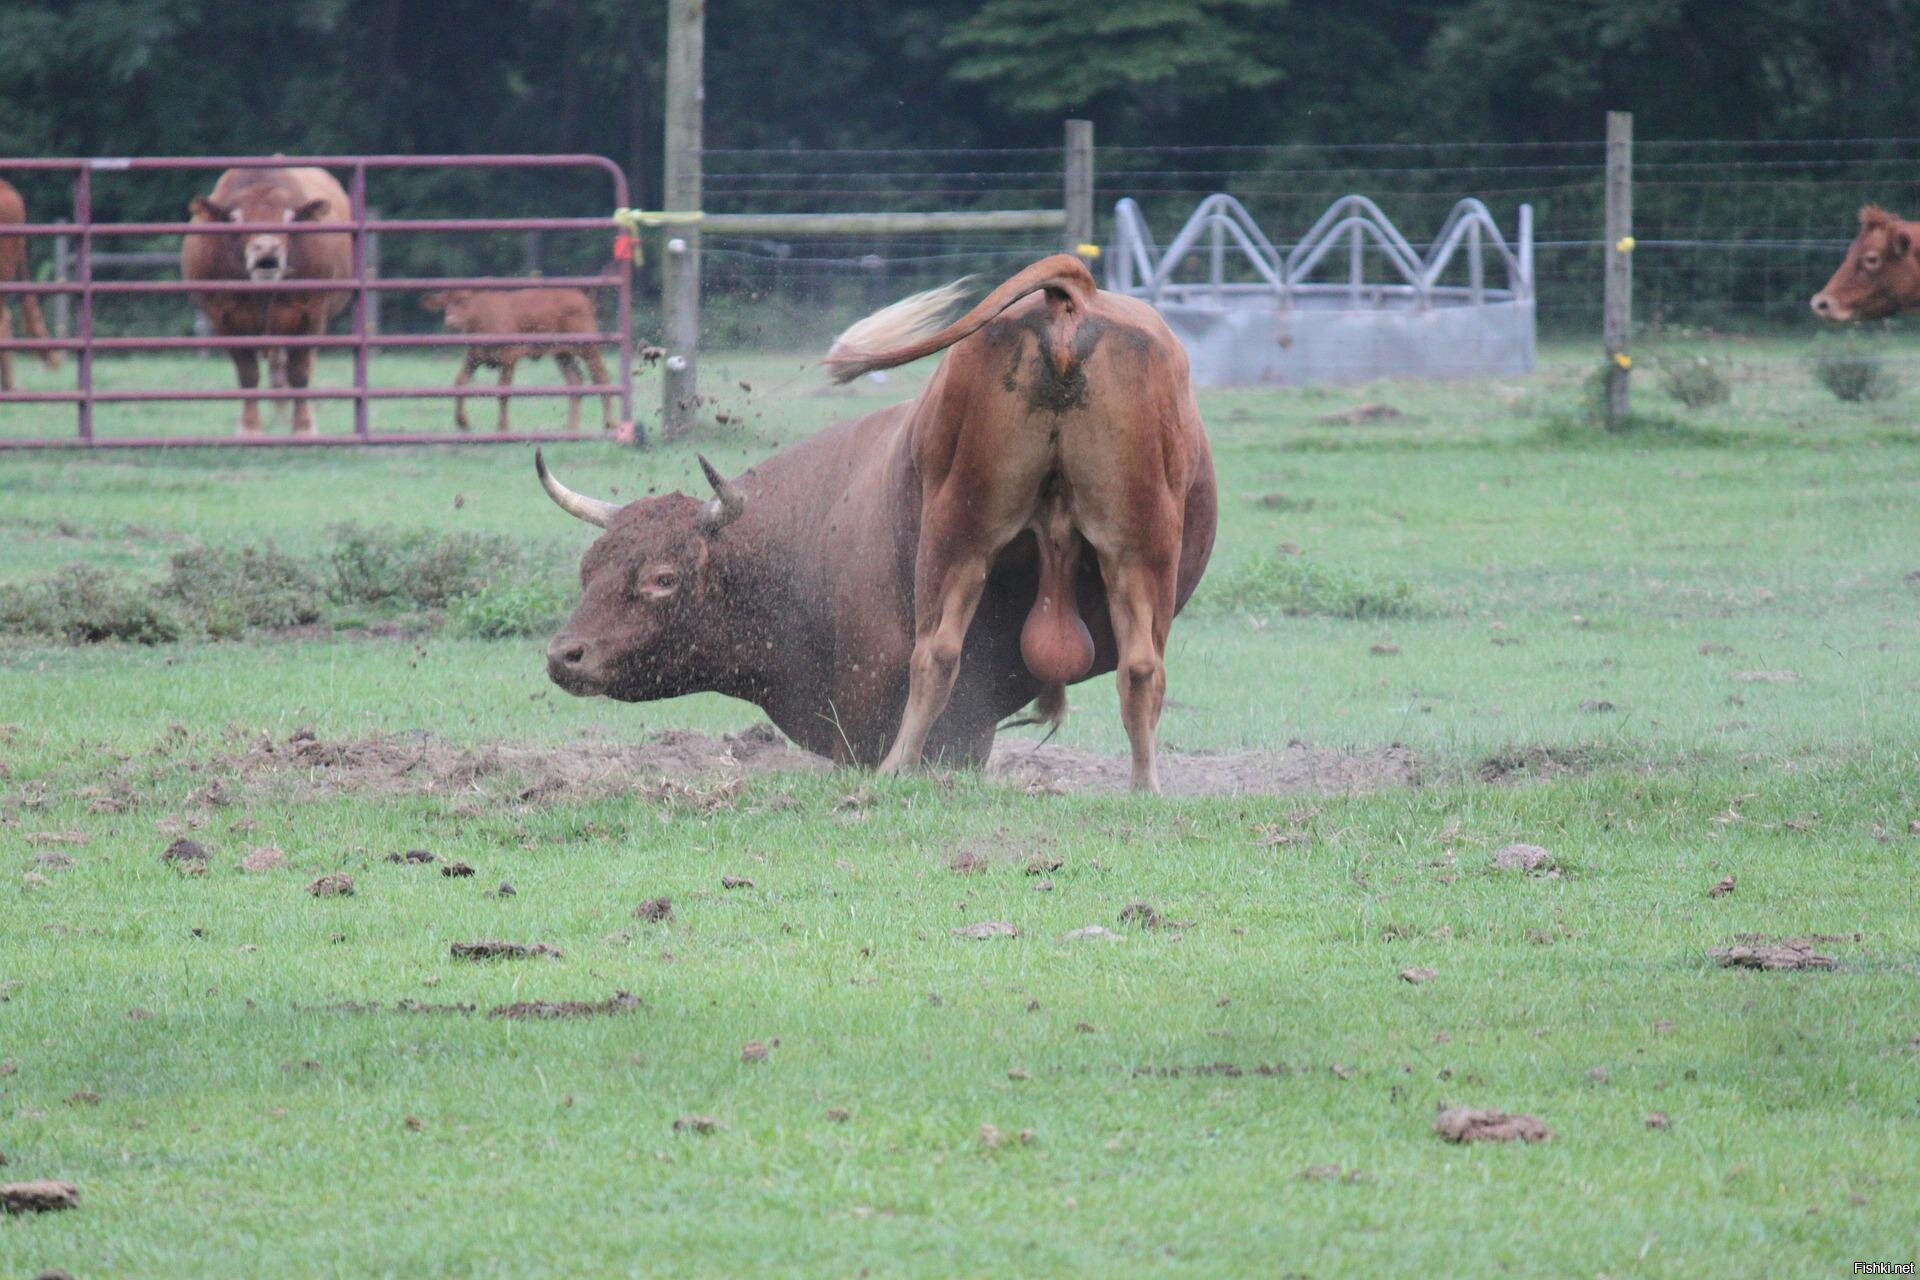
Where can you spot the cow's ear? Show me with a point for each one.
(310, 211)
(435, 301)
(206, 210)
(1899, 243)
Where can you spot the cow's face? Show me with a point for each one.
(642, 621)
(265, 254)
(457, 304)
(1881, 275)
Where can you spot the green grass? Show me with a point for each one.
(1548, 571)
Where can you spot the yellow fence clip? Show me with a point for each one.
(1623, 245)
(1624, 360)
(1087, 251)
(627, 247)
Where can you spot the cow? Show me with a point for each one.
(290, 197)
(893, 588)
(503, 311)
(1881, 274)
(13, 267)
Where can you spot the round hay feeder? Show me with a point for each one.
(1260, 318)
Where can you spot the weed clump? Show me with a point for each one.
(1698, 383)
(84, 605)
(510, 608)
(224, 591)
(1274, 582)
(415, 567)
(1855, 379)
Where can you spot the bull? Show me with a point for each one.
(13, 267)
(1880, 276)
(291, 199)
(891, 589)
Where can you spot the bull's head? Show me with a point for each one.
(266, 254)
(1881, 275)
(635, 633)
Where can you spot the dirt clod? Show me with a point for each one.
(1143, 915)
(1418, 975)
(1041, 864)
(697, 1124)
(1092, 933)
(966, 864)
(186, 854)
(333, 886)
(38, 1197)
(736, 882)
(137, 1014)
(1658, 1120)
(1722, 889)
(1596, 705)
(654, 910)
(754, 1051)
(501, 950)
(1715, 649)
(1360, 416)
(53, 860)
(1383, 649)
(1473, 1124)
(839, 1115)
(1766, 677)
(551, 1010)
(83, 1098)
(1793, 953)
(264, 858)
(984, 929)
(1530, 858)
(457, 870)
(412, 857)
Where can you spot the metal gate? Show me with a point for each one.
(86, 344)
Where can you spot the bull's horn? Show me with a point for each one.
(727, 503)
(577, 505)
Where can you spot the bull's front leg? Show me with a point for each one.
(949, 576)
(246, 366)
(570, 374)
(299, 373)
(6, 357)
(506, 380)
(277, 380)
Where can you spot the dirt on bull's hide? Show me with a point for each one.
(538, 773)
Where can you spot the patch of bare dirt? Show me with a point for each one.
(1472, 1124)
(1360, 416)
(698, 1124)
(1533, 763)
(548, 1010)
(1293, 769)
(334, 886)
(501, 950)
(265, 858)
(654, 910)
(1792, 953)
(1530, 858)
(1722, 889)
(45, 1196)
(736, 882)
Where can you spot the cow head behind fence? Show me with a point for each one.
(1881, 274)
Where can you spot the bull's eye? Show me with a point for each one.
(665, 581)
(1871, 262)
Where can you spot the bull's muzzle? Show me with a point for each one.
(567, 666)
(1827, 309)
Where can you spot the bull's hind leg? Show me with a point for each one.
(570, 374)
(460, 380)
(299, 373)
(506, 380)
(598, 368)
(946, 593)
(1140, 595)
(6, 357)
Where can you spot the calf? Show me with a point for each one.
(506, 311)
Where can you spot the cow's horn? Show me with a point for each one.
(727, 503)
(577, 505)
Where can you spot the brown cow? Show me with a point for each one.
(503, 311)
(287, 196)
(1881, 274)
(13, 267)
(926, 569)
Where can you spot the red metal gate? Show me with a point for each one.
(618, 276)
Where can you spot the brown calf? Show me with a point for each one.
(505, 311)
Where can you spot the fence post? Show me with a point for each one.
(680, 264)
(373, 273)
(1619, 273)
(62, 272)
(1079, 184)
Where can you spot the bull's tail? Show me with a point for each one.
(906, 331)
(37, 327)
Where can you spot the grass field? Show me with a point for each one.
(1685, 655)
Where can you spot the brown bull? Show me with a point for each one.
(1881, 274)
(896, 586)
(13, 267)
(289, 197)
(502, 311)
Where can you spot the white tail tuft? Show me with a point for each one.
(907, 321)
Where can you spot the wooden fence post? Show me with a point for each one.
(680, 263)
(1079, 184)
(1618, 321)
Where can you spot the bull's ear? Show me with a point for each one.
(435, 301)
(1899, 243)
(206, 210)
(310, 211)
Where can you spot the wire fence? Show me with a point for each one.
(1733, 237)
